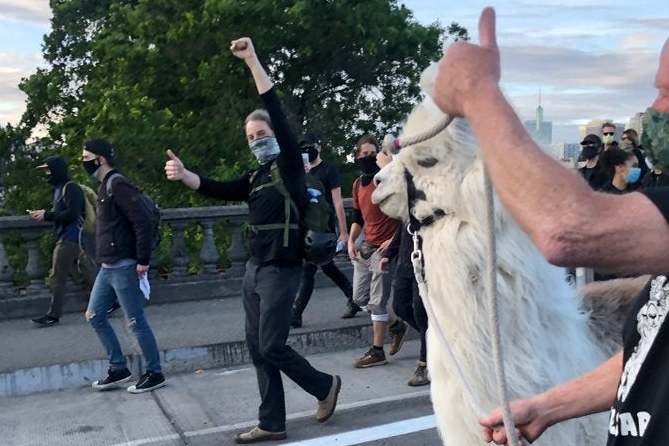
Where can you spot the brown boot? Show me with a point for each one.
(399, 332)
(327, 407)
(371, 359)
(256, 435)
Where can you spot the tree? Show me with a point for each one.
(151, 75)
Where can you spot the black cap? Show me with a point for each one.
(309, 139)
(100, 147)
(591, 139)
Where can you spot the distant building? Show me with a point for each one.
(636, 123)
(566, 151)
(540, 130)
(595, 127)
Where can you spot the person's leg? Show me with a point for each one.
(102, 296)
(420, 316)
(402, 290)
(379, 293)
(125, 282)
(339, 278)
(64, 262)
(272, 410)
(304, 295)
(361, 283)
(276, 287)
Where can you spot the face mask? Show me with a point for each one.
(368, 165)
(608, 139)
(265, 149)
(628, 145)
(633, 175)
(91, 167)
(589, 152)
(51, 179)
(655, 138)
(312, 152)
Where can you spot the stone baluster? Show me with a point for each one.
(237, 251)
(34, 268)
(179, 253)
(209, 254)
(6, 271)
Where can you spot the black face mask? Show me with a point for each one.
(311, 151)
(91, 166)
(52, 179)
(589, 152)
(368, 165)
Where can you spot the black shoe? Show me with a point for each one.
(115, 306)
(148, 382)
(114, 379)
(46, 321)
(296, 321)
(351, 310)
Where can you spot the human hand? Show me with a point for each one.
(38, 215)
(142, 269)
(661, 103)
(174, 167)
(243, 48)
(343, 237)
(352, 250)
(527, 416)
(468, 70)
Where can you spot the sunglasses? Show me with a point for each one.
(608, 133)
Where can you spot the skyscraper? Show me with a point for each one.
(540, 130)
(636, 123)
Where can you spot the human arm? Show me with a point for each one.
(235, 190)
(394, 246)
(356, 225)
(338, 203)
(552, 204)
(73, 199)
(591, 393)
(290, 161)
(127, 198)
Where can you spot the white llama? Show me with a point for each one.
(546, 332)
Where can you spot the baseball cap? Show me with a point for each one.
(591, 139)
(100, 147)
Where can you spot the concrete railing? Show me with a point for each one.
(30, 296)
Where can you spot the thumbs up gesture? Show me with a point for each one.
(174, 168)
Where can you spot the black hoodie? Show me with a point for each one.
(68, 202)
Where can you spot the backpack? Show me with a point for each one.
(151, 210)
(320, 240)
(90, 201)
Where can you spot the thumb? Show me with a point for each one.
(492, 420)
(172, 156)
(487, 33)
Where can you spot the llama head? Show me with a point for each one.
(435, 168)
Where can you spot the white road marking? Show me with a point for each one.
(367, 434)
(400, 426)
(232, 372)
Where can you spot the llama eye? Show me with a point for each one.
(427, 162)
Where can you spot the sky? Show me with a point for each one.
(591, 59)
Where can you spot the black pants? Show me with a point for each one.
(408, 306)
(268, 296)
(307, 285)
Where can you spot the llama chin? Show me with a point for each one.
(547, 331)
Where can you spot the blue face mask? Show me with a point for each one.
(265, 149)
(633, 175)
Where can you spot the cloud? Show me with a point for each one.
(14, 67)
(34, 11)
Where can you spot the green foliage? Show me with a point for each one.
(655, 138)
(151, 75)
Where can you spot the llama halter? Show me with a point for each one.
(392, 146)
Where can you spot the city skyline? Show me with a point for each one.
(592, 59)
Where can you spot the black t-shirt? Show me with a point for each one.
(328, 176)
(639, 415)
(595, 176)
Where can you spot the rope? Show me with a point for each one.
(393, 146)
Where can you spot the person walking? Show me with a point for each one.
(273, 271)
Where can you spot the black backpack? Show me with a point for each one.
(151, 210)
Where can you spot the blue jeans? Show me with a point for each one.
(121, 284)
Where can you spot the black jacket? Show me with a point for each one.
(266, 206)
(122, 228)
(68, 204)
(400, 249)
(652, 180)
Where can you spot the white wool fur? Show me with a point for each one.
(545, 333)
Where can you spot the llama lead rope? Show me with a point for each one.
(392, 146)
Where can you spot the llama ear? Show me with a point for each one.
(428, 78)
(462, 134)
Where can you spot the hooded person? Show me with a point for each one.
(66, 214)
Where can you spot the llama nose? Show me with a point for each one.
(377, 180)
